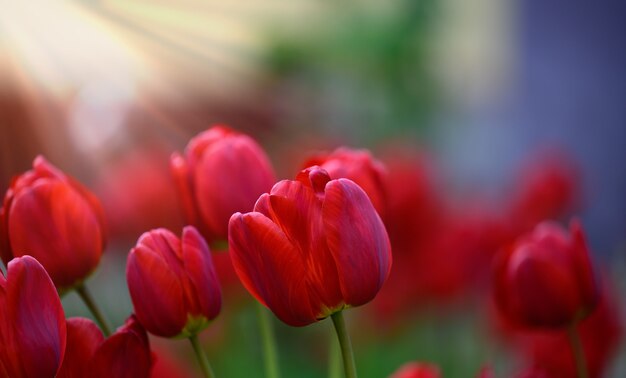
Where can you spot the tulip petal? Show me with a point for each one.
(357, 239)
(181, 174)
(36, 333)
(83, 339)
(270, 267)
(156, 292)
(230, 176)
(125, 354)
(64, 234)
(205, 293)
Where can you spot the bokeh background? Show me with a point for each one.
(484, 92)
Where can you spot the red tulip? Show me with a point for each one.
(358, 166)
(546, 279)
(52, 217)
(172, 282)
(223, 171)
(312, 247)
(416, 370)
(32, 322)
(126, 353)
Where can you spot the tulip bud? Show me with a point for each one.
(545, 280)
(311, 247)
(223, 172)
(172, 282)
(53, 218)
(358, 166)
(32, 322)
(125, 354)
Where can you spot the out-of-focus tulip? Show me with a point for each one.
(416, 370)
(32, 322)
(172, 282)
(223, 172)
(312, 247)
(358, 166)
(545, 280)
(600, 334)
(53, 218)
(125, 354)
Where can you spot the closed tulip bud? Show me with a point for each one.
(53, 218)
(172, 283)
(545, 280)
(125, 354)
(311, 247)
(32, 322)
(223, 172)
(358, 166)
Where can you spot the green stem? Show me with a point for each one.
(346, 345)
(577, 349)
(202, 358)
(84, 294)
(269, 342)
(334, 362)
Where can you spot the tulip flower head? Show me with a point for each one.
(223, 171)
(358, 166)
(545, 280)
(32, 322)
(311, 247)
(172, 282)
(125, 354)
(50, 216)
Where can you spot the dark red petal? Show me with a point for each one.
(230, 176)
(583, 267)
(357, 239)
(126, 354)
(83, 339)
(156, 292)
(205, 288)
(270, 267)
(36, 341)
(315, 178)
(182, 179)
(54, 223)
(296, 209)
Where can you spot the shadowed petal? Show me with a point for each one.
(83, 339)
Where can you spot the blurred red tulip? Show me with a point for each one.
(548, 189)
(546, 279)
(312, 247)
(125, 354)
(223, 172)
(172, 282)
(32, 322)
(416, 370)
(600, 333)
(358, 166)
(52, 217)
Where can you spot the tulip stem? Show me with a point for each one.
(85, 295)
(577, 349)
(269, 342)
(334, 361)
(345, 343)
(202, 358)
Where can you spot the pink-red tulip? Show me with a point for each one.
(172, 282)
(358, 166)
(223, 172)
(125, 354)
(50, 216)
(416, 370)
(545, 280)
(311, 247)
(32, 322)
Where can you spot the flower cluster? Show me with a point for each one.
(306, 249)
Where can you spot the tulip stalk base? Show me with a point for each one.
(85, 295)
(202, 358)
(577, 349)
(346, 345)
(269, 342)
